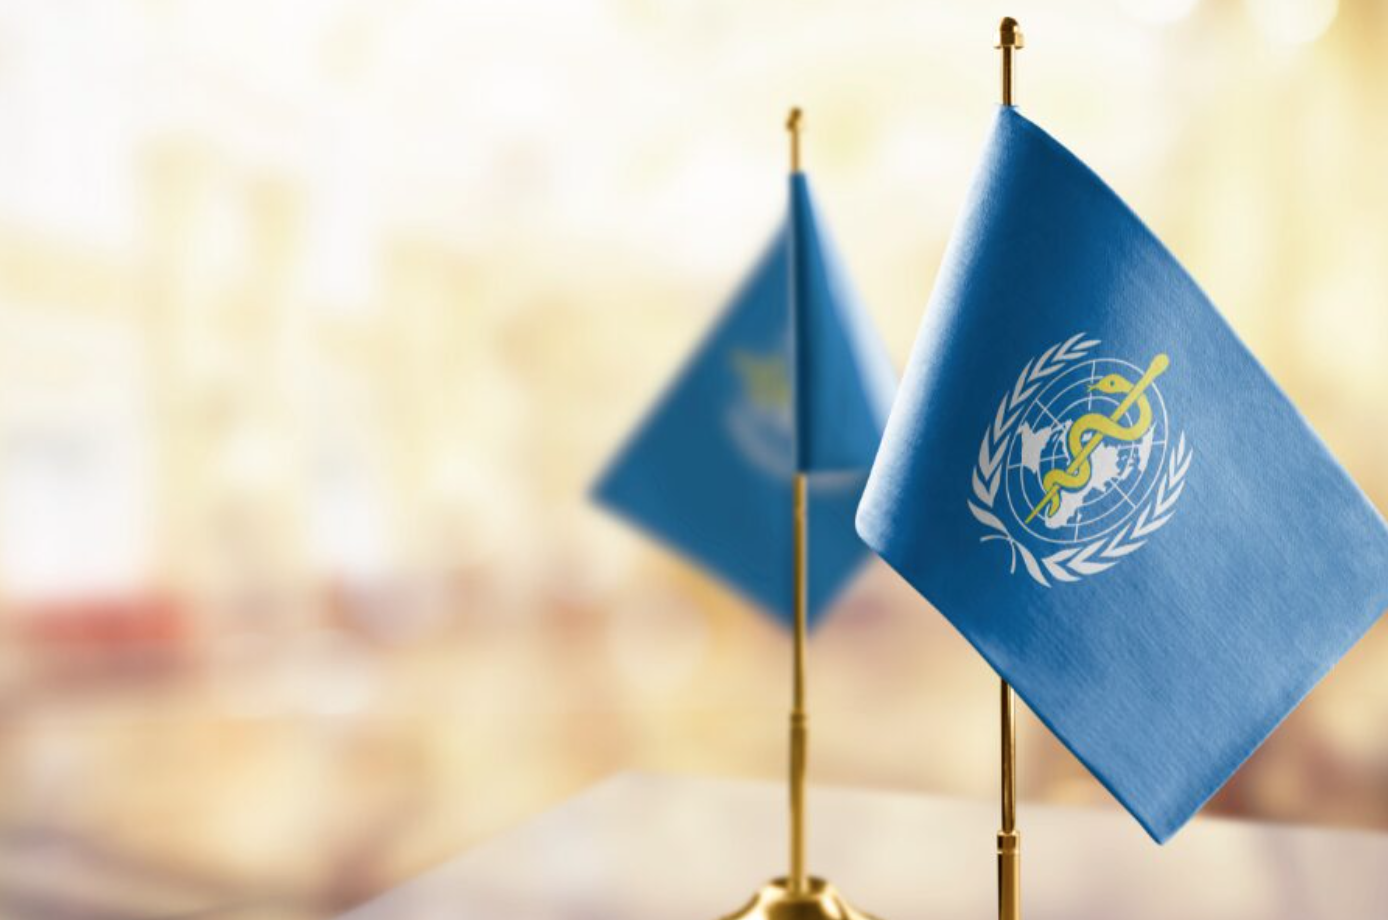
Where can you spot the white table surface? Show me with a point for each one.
(655, 847)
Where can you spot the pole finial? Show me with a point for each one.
(1009, 34)
(1009, 40)
(793, 126)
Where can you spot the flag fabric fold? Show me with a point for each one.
(791, 378)
(1091, 477)
(844, 380)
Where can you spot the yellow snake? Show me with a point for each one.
(1101, 426)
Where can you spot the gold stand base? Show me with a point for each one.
(820, 901)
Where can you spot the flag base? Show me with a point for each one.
(819, 901)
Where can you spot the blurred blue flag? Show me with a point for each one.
(1091, 477)
(791, 378)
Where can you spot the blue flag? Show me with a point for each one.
(1087, 472)
(791, 378)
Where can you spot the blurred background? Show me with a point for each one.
(318, 318)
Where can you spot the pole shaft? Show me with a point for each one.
(799, 719)
(793, 126)
(1009, 760)
(798, 880)
(1007, 75)
(1009, 839)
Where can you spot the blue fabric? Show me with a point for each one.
(1164, 615)
(844, 380)
(710, 470)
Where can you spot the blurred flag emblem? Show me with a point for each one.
(1088, 473)
(792, 378)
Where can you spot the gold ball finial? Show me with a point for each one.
(1009, 34)
(793, 120)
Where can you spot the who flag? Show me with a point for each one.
(1091, 477)
(792, 378)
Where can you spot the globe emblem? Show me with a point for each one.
(1122, 471)
(1078, 467)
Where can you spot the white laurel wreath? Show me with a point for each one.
(1075, 562)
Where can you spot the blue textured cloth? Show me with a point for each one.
(791, 377)
(1089, 474)
(844, 381)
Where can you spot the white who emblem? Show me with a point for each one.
(1079, 466)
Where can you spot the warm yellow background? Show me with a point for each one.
(317, 318)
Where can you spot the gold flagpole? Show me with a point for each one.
(798, 896)
(1009, 838)
(799, 719)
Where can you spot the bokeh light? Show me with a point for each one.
(1293, 22)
